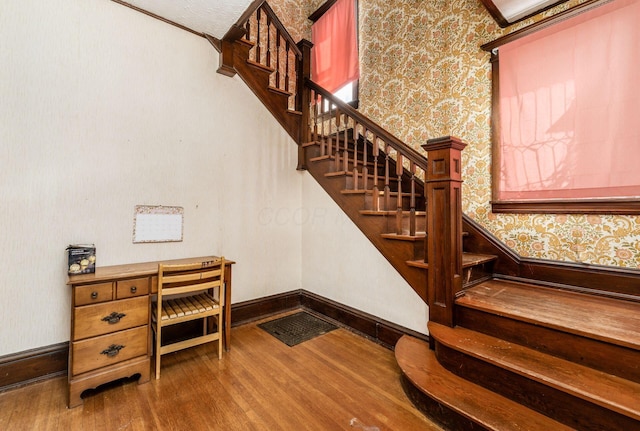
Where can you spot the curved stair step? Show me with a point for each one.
(458, 403)
(596, 387)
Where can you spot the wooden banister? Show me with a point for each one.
(444, 226)
(372, 161)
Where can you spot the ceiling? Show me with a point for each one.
(214, 17)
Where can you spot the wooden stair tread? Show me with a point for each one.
(419, 236)
(261, 66)
(345, 173)
(597, 387)
(492, 411)
(605, 319)
(471, 259)
(390, 213)
(468, 260)
(280, 91)
(381, 193)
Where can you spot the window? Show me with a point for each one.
(507, 12)
(334, 56)
(568, 98)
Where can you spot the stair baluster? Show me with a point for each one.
(268, 54)
(314, 121)
(412, 204)
(376, 190)
(387, 178)
(278, 53)
(286, 75)
(345, 143)
(258, 36)
(399, 212)
(355, 157)
(365, 169)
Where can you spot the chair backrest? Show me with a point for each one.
(175, 279)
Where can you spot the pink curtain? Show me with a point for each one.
(570, 108)
(334, 56)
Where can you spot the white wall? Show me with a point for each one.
(341, 264)
(103, 108)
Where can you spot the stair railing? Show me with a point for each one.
(373, 158)
(273, 48)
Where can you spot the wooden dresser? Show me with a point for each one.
(110, 324)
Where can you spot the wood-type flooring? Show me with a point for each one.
(337, 381)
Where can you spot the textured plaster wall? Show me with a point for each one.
(423, 75)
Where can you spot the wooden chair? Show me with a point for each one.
(188, 292)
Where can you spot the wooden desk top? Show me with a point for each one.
(130, 270)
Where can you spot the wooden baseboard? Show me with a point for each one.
(38, 364)
(374, 328)
(255, 309)
(33, 365)
(367, 325)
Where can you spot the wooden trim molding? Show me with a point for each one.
(33, 365)
(315, 16)
(43, 363)
(495, 12)
(584, 206)
(158, 17)
(613, 282)
(374, 328)
(367, 325)
(546, 22)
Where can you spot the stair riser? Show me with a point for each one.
(561, 406)
(612, 359)
(446, 417)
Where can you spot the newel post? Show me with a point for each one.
(444, 226)
(303, 99)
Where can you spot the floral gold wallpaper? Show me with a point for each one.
(423, 75)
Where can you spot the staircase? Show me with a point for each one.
(514, 343)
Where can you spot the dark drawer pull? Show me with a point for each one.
(112, 350)
(94, 295)
(113, 318)
(134, 289)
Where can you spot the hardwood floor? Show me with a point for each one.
(338, 381)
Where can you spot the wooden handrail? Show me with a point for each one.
(411, 154)
(246, 16)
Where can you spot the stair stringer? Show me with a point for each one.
(257, 78)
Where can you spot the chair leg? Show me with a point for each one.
(157, 352)
(219, 323)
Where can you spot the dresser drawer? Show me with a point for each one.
(99, 319)
(133, 287)
(109, 349)
(93, 293)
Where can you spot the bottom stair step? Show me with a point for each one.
(457, 403)
(594, 399)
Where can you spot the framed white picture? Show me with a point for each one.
(157, 223)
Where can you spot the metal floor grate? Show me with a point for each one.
(296, 328)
